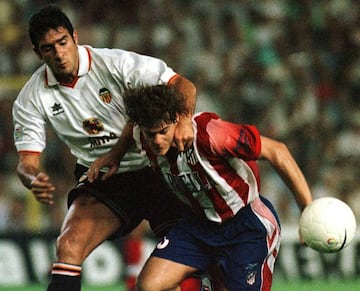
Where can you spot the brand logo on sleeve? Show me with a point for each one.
(18, 133)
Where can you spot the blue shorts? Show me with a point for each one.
(245, 247)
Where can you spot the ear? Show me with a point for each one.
(36, 51)
(177, 118)
(76, 37)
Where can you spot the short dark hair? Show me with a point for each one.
(49, 17)
(150, 105)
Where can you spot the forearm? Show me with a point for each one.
(124, 142)
(26, 174)
(184, 134)
(295, 180)
(281, 159)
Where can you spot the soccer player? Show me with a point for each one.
(231, 223)
(78, 91)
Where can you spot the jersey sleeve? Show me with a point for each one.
(29, 125)
(223, 138)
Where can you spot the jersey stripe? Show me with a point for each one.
(219, 185)
(269, 221)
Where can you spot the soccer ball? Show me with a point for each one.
(327, 225)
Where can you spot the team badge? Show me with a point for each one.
(93, 125)
(206, 284)
(105, 95)
(251, 275)
(250, 278)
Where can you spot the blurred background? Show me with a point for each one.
(290, 67)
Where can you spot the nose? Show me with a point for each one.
(58, 52)
(157, 139)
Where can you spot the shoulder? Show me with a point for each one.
(105, 52)
(224, 137)
(116, 53)
(201, 119)
(127, 63)
(33, 86)
(201, 122)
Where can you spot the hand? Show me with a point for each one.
(107, 160)
(43, 189)
(184, 134)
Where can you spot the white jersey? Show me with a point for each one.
(89, 115)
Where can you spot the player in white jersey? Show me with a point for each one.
(78, 91)
(230, 222)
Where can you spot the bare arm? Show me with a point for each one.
(184, 134)
(281, 159)
(38, 182)
(113, 157)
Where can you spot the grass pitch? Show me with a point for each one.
(279, 285)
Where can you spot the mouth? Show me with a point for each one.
(62, 66)
(157, 150)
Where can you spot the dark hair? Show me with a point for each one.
(49, 17)
(150, 105)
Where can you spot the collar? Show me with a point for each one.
(84, 67)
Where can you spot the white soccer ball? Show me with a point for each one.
(327, 225)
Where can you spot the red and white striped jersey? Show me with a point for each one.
(218, 175)
(88, 115)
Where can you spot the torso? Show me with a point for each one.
(214, 185)
(88, 116)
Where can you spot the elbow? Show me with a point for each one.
(192, 89)
(185, 86)
(281, 154)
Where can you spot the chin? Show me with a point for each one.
(160, 152)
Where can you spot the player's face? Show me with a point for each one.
(160, 138)
(59, 51)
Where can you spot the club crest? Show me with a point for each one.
(105, 95)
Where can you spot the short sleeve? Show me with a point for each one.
(226, 138)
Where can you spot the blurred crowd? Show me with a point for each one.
(290, 67)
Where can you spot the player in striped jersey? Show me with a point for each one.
(231, 224)
(78, 91)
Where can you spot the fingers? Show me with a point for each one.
(179, 145)
(93, 172)
(183, 144)
(112, 170)
(45, 198)
(43, 189)
(184, 135)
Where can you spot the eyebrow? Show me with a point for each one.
(52, 44)
(148, 130)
